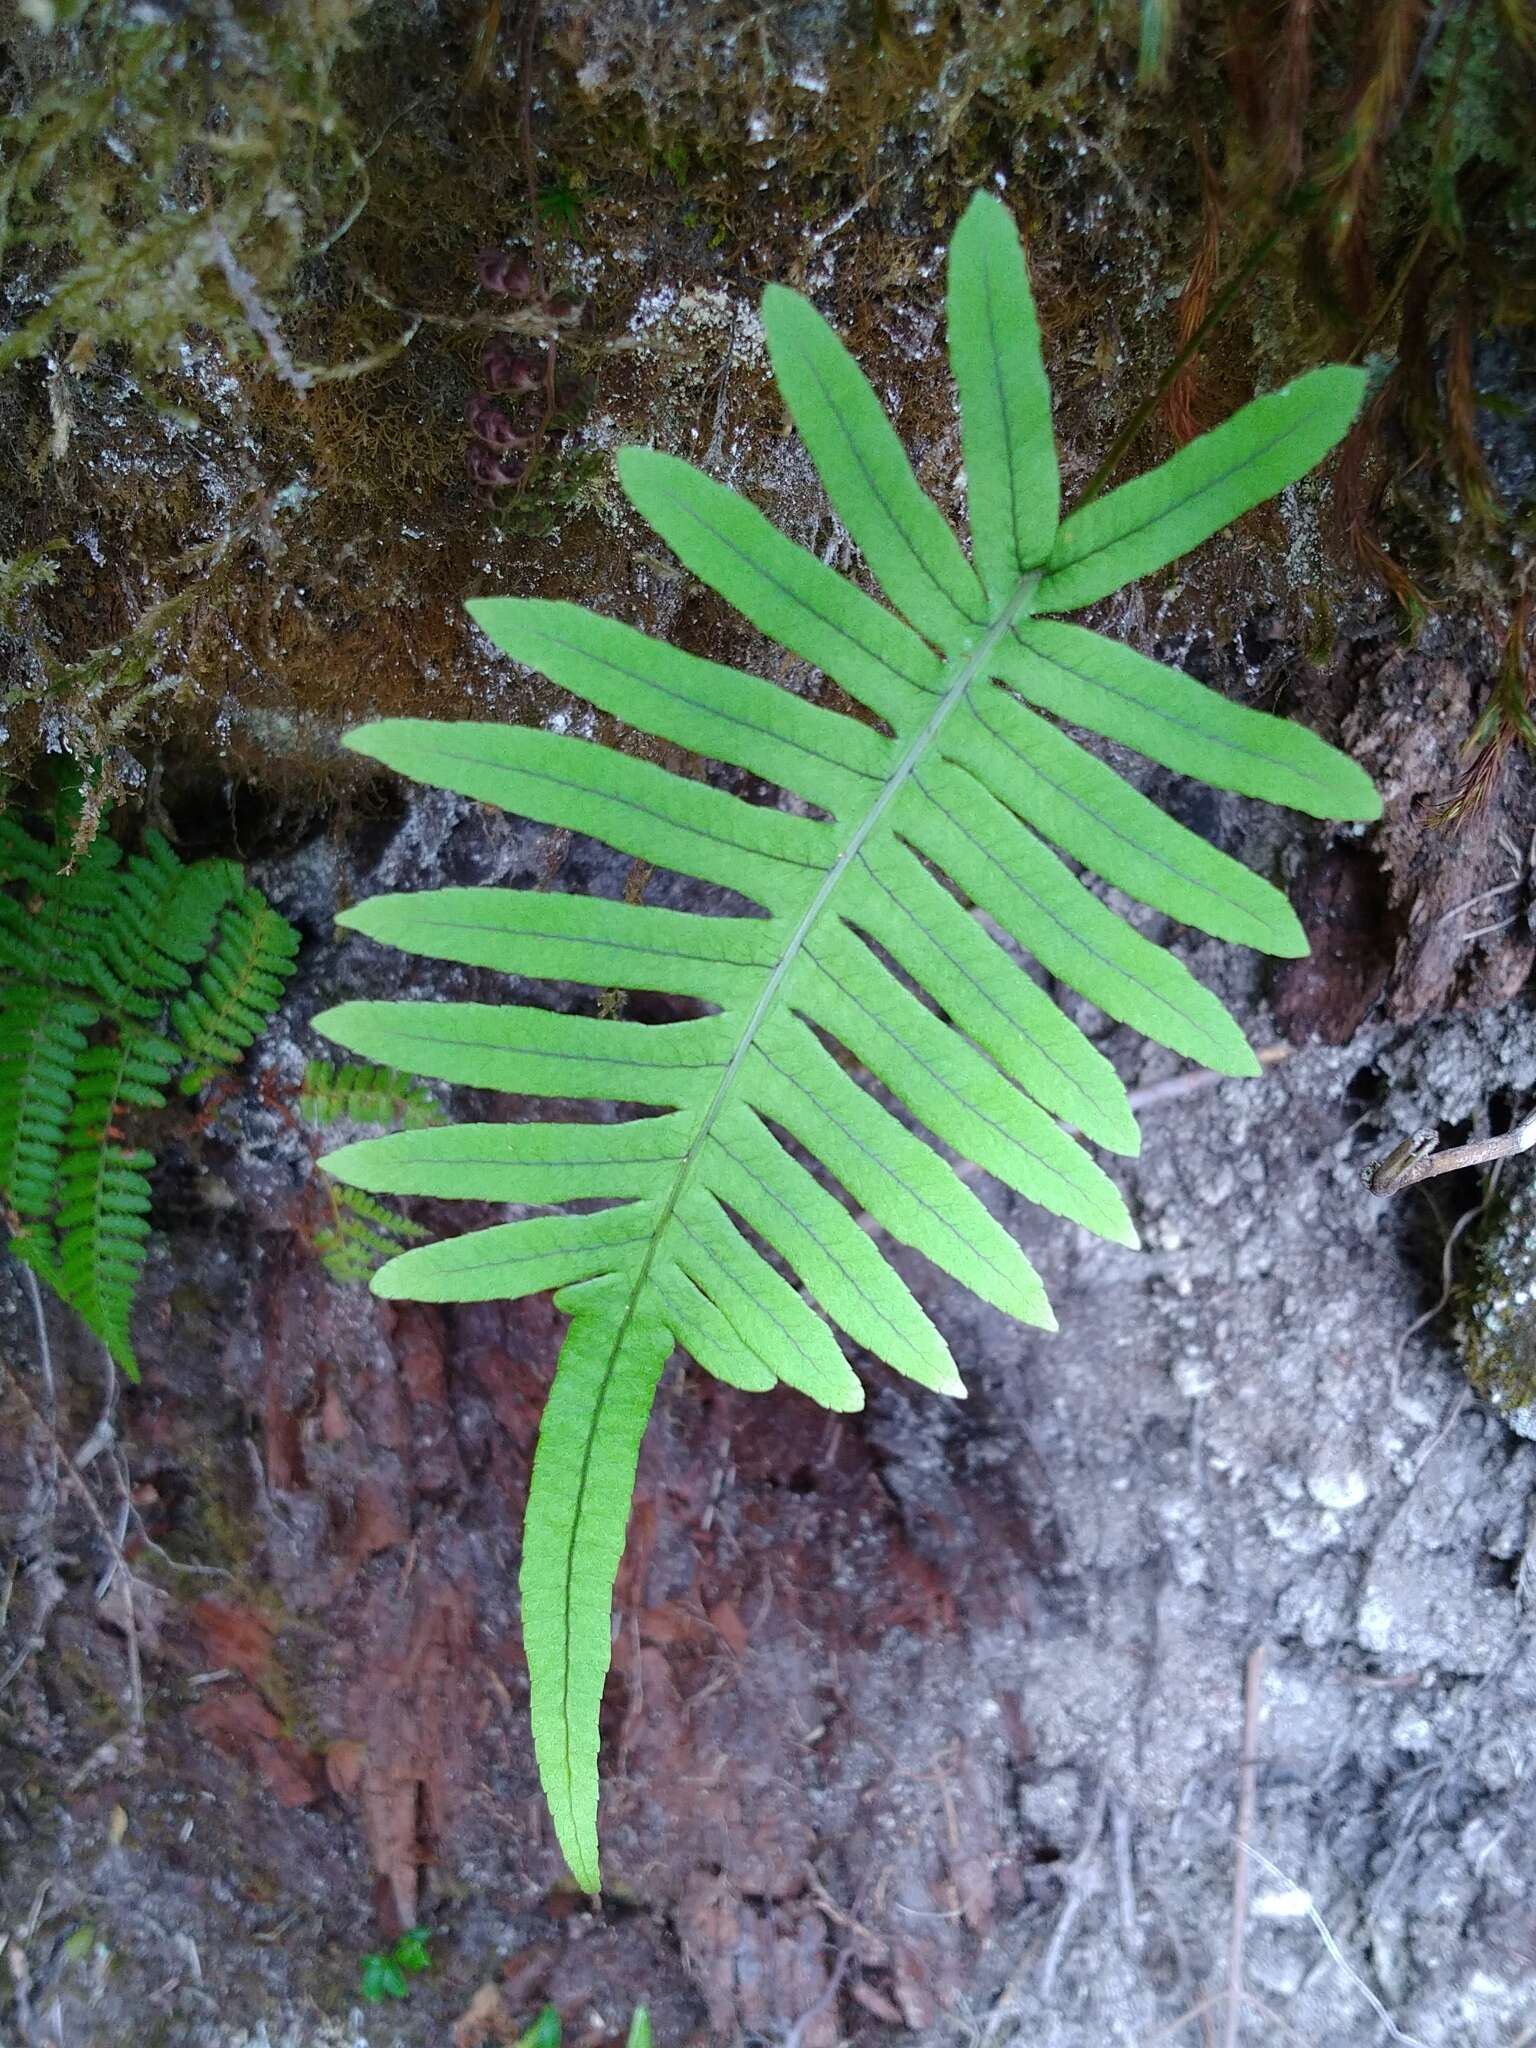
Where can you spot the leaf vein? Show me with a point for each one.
(914, 550)
(909, 1192)
(1168, 508)
(1102, 821)
(823, 618)
(1049, 916)
(774, 1196)
(943, 1082)
(1201, 734)
(727, 717)
(964, 971)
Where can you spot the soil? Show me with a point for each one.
(926, 1723)
(1179, 1685)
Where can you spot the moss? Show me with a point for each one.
(217, 1525)
(1497, 1325)
(246, 560)
(168, 169)
(92, 1706)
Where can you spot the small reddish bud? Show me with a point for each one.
(504, 270)
(495, 471)
(563, 309)
(506, 368)
(488, 423)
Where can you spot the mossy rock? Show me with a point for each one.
(1497, 1324)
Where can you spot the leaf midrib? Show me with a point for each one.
(971, 667)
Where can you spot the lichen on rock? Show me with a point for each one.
(1497, 1326)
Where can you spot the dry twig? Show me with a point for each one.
(1414, 1158)
(1082, 1881)
(1247, 1799)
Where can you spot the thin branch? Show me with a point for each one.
(1081, 1883)
(73, 1479)
(260, 320)
(1414, 1158)
(1195, 2012)
(1447, 1281)
(1247, 1799)
(50, 1587)
(34, 1296)
(361, 366)
(798, 2032)
(1195, 1080)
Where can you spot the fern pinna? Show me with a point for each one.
(957, 797)
(114, 975)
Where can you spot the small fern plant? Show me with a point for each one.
(358, 1232)
(965, 790)
(118, 977)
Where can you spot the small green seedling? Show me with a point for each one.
(388, 1975)
(78, 1945)
(545, 2031)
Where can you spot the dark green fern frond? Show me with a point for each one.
(165, 921)
(237, 989)
(103, 1215)
(93, 949)
(349, 1091)
(23, 858)
(103, 1228)
(42, 1043)
(51, 922)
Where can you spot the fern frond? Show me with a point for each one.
(971, 791)
(163, 923)
(42, 1045)
(346, 1092)
(361, 1234)
(91, 952)
(102, 1220)
(236, 989)
(23, 858)
(52, 921)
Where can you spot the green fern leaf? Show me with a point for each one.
(361, 1232)
(236, 989)
(965, 781)
(361, 1235)
(50, 928)
(42, 1043)
(163, 923)
(91, 954)
(344, 1092)
(102, 1218)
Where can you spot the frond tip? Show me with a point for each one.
(863, 959)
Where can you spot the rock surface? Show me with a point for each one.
(939, 1722)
